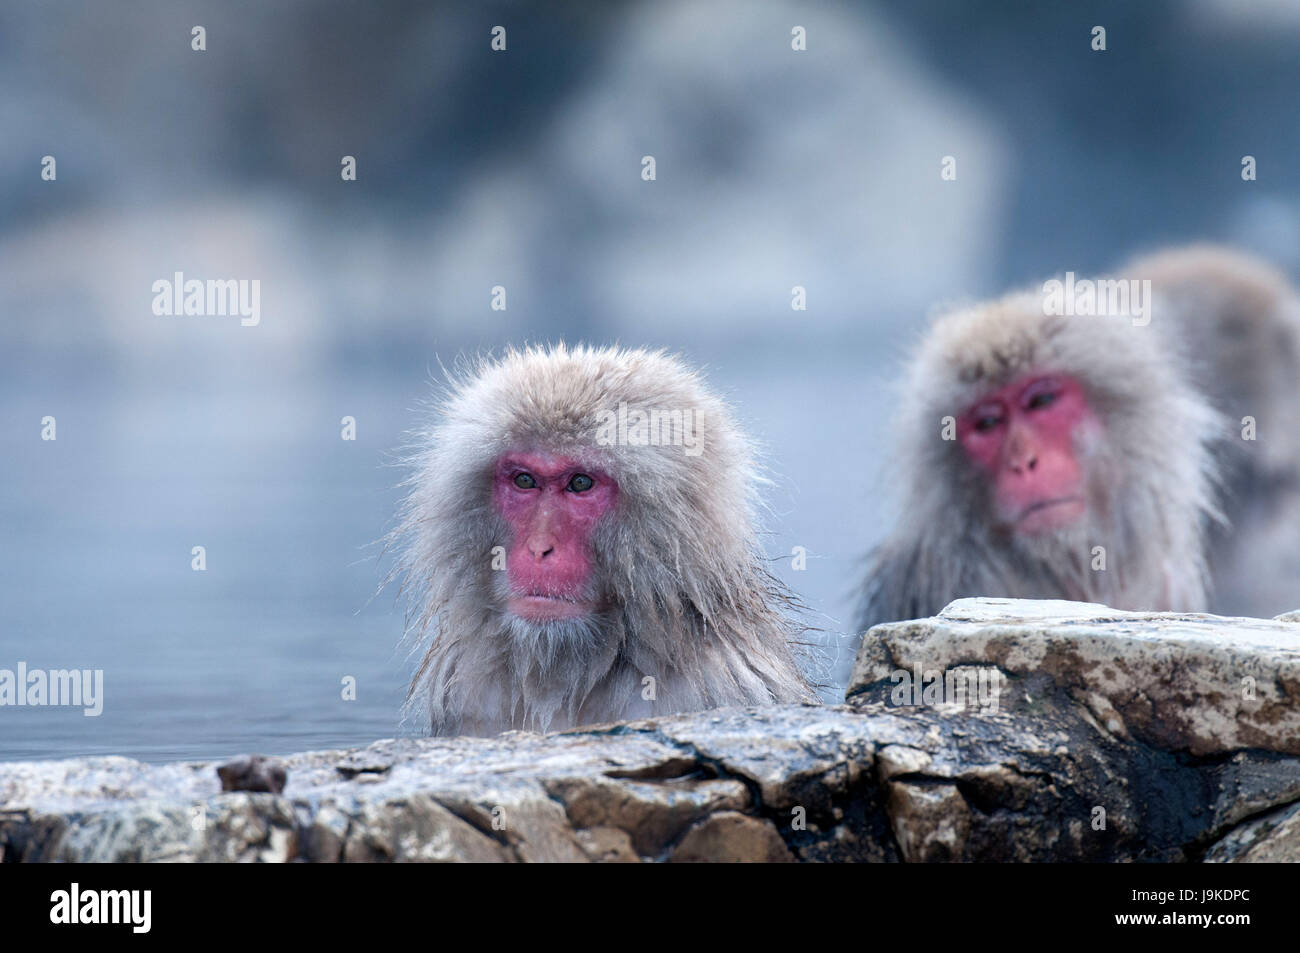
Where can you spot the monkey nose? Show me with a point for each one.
(540, 548)
(1026, 464)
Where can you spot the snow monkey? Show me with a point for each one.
(1237, 323)
(579, 545)
(1071, 453)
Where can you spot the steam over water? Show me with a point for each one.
(781, 176)
(249, 654)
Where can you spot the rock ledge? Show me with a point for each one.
(1028, 731)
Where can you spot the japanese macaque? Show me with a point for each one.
(1236, 322)
(1091, 456)
(579, 546)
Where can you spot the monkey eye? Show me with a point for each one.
(987, 418)
(580, 483)
(1042, 399)
(525, 481)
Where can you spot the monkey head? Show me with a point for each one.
(1080, 429)
(1051, 448)
(581, 520)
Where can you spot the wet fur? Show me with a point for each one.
(1152, 478)
(690, 602)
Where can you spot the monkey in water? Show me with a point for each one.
(1091, 457)
(579, 545)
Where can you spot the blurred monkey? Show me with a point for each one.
(1096, 457)
(1237, 323)
(579, 546)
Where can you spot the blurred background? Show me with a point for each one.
(522, 168)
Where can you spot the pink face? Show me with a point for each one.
(1024, 437)
(552, 505)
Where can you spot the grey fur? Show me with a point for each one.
(1151, 481)
(1237, 324)
(691, 603)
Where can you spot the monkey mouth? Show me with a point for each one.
(548, 607)
(1046, 515)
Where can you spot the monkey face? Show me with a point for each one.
(552, 505)
(1024, 437)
